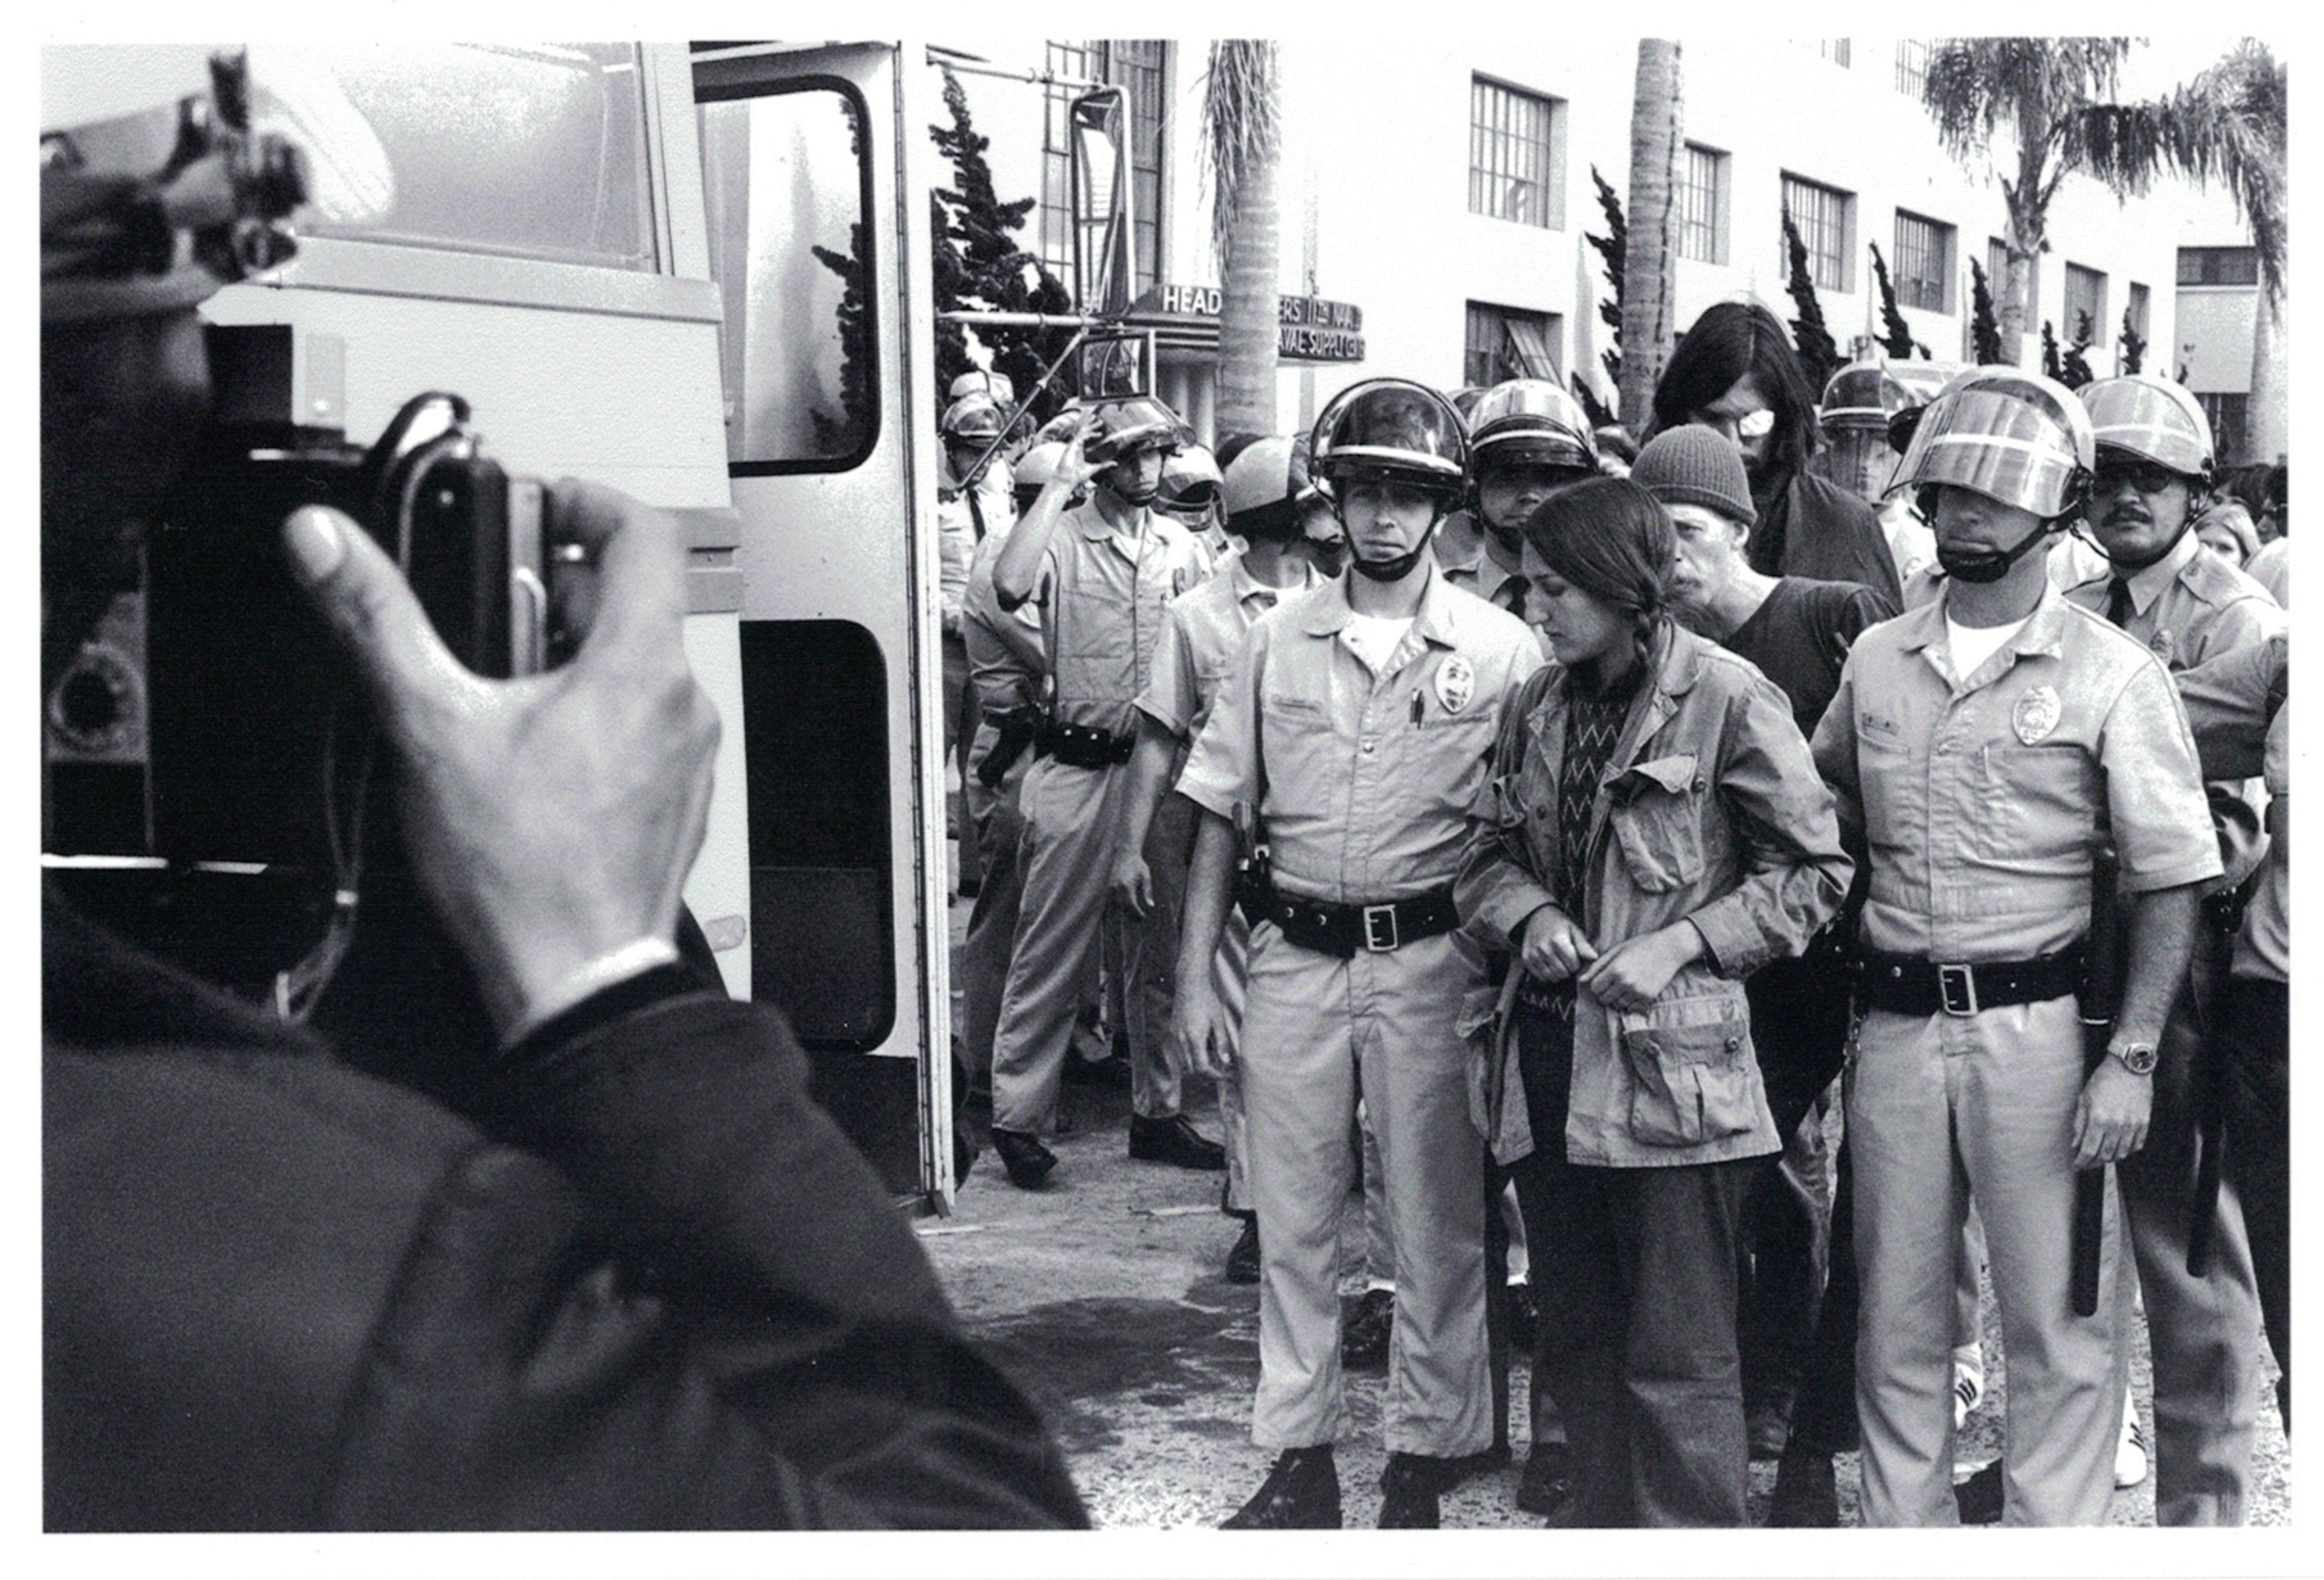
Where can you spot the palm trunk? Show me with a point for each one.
(1250, 319)
(1650, 293)
(2264, 433)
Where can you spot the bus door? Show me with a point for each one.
(817, 220)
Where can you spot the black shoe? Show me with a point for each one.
(1111, 1074)
(1173, 1141)
(1029, 1163)
(1980, 1497)
(1767, 1427)
(1410, 1486)
(1463, 1467)
(1525, 1318)
(1363, 1339)
(1547, 1486)
(1302, 1492)
(1242, 1262)
(1806, 1499)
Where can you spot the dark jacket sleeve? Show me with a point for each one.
(1831, 536)
(738, 1321)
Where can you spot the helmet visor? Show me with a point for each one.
(1394, 429)
(1996, 445)
(2146, 421)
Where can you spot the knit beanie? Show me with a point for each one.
(1694, 465)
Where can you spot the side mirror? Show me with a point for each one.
(1115, 364)
(1100, 202)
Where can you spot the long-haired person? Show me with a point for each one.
(1653, 831)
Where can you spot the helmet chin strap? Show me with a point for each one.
(1981, 565)
(1397, 569)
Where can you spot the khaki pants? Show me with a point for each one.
(1072, 816)
(980, 964)
(1982, 1104)
(1316, 1031)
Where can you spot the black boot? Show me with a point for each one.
(1029, 1163)
(1243, 1261)
(1410, 1486)
(1547, 1488)
(1805, 1496)
(1176, 1141)
(1302, 1492)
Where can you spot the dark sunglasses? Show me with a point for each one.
(2148, 477)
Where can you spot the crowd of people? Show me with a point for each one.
(1550, 833)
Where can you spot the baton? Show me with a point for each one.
(2100, 996)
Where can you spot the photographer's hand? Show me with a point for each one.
(551, 819)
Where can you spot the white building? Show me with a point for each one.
(1451, 213)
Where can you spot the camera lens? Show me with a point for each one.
(94, 706)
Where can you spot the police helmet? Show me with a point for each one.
(2153, 419)
(1862, 395)
(2012, 436)
(1530, 422)
(973, 417)
(1390, 428)
(1125, 428)
(985, 382)
(1190, 482)
(155, 187)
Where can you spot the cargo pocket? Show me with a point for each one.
(1690, 1063)
(1657, 821)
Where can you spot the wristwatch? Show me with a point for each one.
(2138, 1058)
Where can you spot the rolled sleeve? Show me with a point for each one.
(1222, 770)
(1173, 690)
(2154, 788)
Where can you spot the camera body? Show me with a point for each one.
(210, 719)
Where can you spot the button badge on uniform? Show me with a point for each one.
(2036, 714)
(1456, 682)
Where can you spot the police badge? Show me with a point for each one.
(2037, 714)
(1456, 682)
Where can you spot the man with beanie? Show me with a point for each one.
(1798, 631)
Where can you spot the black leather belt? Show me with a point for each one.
(1077, 745)
(1342, 930)
(1909, 985)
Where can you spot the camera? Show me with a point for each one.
(210, 720)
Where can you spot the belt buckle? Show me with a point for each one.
(1379, 929)
(1956, 989)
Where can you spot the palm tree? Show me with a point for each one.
(1648, 264)
(2055, 98)
(1242, 144)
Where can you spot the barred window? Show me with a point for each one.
(1822, 215)
(1924, 263)
(2086, 294)
(1141, 67)
(1514, 170)
(1703, 204)
(1911, 66)
(2218, 266)
(1510, 343)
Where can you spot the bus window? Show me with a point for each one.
(814, 705)
(787, 192)
(529, 151)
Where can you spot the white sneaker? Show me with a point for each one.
(2130, 1454)
(1968, 1393)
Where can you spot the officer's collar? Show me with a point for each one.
(2148, 583)
(2043, 631)
(1243, 586)
(1329, 615)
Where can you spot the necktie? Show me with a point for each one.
(976, 514)
(2118, 606)
(1511, 595)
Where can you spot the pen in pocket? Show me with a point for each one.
(1416, 707)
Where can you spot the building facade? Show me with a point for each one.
(1446, 224)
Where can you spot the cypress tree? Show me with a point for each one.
(1819, 354)
(1984, 328)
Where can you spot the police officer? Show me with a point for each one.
(1100, 572)
(1859, 401)
(1353, 734)
(2154, 467)
(1527, 439)
(1189, 495)
(1009, 674)
(972, 501)
(1983, 744)
(1204, 631)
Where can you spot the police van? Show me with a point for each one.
(699, 274)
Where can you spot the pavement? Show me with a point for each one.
(1104, 1295)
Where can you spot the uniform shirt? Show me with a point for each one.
(1980, 796)
(1005, 656)
(1475, 570)
(1204, 631)
(963, 520)
(1101, 593)
(2263, 947)
(2270, 567)
(2190, 607)
(1365, 782)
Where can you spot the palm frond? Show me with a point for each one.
(1239, 125)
